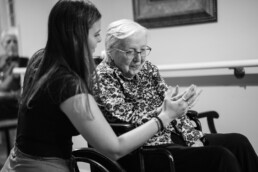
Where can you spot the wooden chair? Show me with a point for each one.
(210, 116)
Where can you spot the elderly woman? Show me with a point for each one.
(131, 90)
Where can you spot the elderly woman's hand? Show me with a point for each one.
(192, 95)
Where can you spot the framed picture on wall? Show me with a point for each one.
(165, 13)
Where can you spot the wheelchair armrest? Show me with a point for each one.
(152, 150)
(149, 151)
(193, 115)
(146, 151)
(210, 115)
(120, 128)
(95, 159)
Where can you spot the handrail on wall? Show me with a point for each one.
(20, 71)
(237, 65)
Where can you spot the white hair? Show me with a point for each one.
(121, 29)
(10, 31)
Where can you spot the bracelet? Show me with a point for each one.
(160, 123)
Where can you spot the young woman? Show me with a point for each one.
(57, 104)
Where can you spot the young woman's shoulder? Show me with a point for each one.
(63, 84)
(65, 76)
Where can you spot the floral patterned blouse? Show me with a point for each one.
(136, 101)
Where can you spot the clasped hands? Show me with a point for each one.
(189, 96)
(181, 102)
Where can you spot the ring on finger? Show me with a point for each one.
(183, 98)
(189, 105)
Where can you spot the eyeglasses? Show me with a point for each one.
(132, 53)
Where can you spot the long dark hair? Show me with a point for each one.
(67, 45)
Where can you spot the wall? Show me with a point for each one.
(233, 37)
(32, 16)
(3, 19)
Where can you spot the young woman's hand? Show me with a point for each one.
(172, 109)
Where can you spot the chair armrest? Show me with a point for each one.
(146, 151)
(7, 124)
(95, 159)
(150, 151)
(193, 115)
(121, 128)
(210, 115)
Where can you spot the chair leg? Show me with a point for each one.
(141, 158)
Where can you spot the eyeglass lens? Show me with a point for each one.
(143, 53)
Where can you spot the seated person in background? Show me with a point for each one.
(131, 90)
(10, 83)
